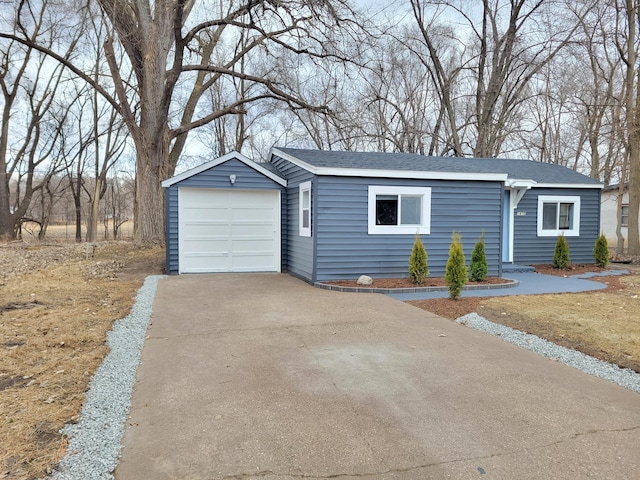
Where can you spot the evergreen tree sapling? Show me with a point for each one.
(418, 262)
(478, 268)
(601, 251)
(456, 270)
(561, 253)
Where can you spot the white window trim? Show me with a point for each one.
(304, 187)
(425, 224)
(573, 232)
(624, 225)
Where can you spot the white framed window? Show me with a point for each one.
(624, 216)
(558, 215)
(304, 201)
(399, 210)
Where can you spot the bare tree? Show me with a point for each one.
(33, 118)
(160, 52)
(508, 45)
(168, 55)
(628, 47)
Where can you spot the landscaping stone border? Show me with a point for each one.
(339, 288)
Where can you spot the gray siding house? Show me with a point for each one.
(337, 215)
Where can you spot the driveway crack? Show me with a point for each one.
(575, 436)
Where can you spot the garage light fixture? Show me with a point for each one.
(232, 179)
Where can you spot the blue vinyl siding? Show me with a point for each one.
(217, 177)
(345, 250)
(531, 249)
(300, 250)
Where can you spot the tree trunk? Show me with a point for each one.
(152, 169)
(7, 223)
(92, 223)
(78, 208)
(633, 247)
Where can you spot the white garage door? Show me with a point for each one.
(229, 230)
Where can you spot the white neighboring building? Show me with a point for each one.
(608, 217)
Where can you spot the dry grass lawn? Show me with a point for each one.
(603, 323)
(56, 305)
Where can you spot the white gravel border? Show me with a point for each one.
(94, 442)
(624, 377)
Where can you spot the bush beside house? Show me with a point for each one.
(456, 269)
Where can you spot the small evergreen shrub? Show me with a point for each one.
(478, 268)
(561, 254)
(601, 251)
(456, 270)
(418, 262)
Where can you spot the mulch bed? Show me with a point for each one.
(572, 269)
(407, 283)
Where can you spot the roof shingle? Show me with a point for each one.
(545, 173)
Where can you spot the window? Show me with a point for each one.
(558, 215)
(624, 216)
(399, 210)
(305, 209)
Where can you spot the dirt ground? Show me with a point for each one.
(56, 304)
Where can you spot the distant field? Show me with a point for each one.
(62, 233)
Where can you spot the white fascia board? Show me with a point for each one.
(218, 161)
(381, 173)
(599, 186)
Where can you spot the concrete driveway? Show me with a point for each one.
(263, 376)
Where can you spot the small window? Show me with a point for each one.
(624, 216)
(558, 216)
(305, 209)
(399, 210)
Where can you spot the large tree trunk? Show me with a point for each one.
(152, 168)
(7, 222)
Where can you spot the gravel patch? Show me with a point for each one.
(94, 441)
(624, 377)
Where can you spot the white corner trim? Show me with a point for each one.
(423, 228)
(218, 161)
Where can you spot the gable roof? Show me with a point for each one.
(409, 165)
(265, 169)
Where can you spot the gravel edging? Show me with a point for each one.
(94, 441)
(624, 377)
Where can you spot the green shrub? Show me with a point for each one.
(456, 270)
(561, 254)
(478, 268)
(601, 251)
(418, 262)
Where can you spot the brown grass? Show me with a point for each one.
(67, 233)
(53, 322)
(602, 323)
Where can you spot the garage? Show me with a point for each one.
(225, 216)
(229, 230)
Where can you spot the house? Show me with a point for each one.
(609, 213)
(324, 215)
